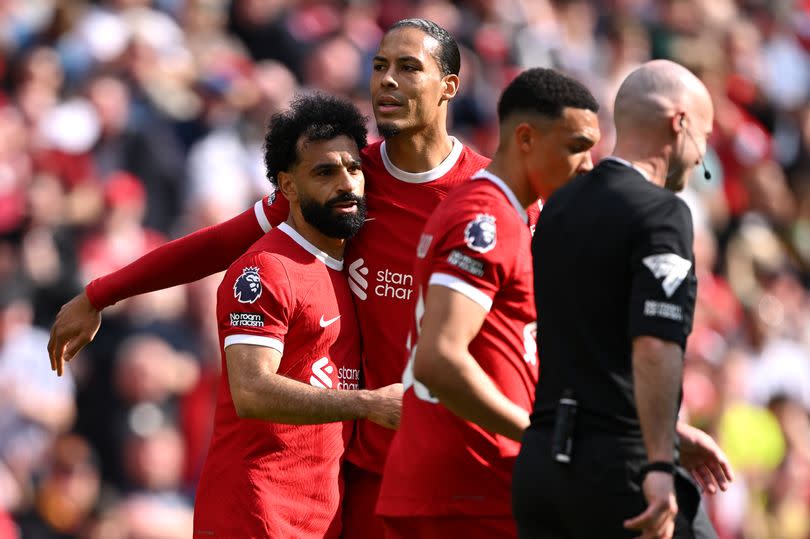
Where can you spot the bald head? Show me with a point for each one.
(658, 89)
(663, 115)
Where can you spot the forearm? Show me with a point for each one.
(181, 261)
(465, 389)
(657, 381)
(283, 400)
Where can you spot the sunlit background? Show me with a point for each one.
(124, 123)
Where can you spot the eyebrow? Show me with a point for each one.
(400, 59)
(324, 167)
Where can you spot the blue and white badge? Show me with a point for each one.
(248, 286)
(480, 234)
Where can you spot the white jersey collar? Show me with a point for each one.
(333, 263)
(484, 174)
(429, 175)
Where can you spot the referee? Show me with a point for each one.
(615, 292)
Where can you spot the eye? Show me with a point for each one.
(410, 68)
(579, 148)
(378, 67)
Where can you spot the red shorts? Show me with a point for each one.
(468, 527)
(359, 503)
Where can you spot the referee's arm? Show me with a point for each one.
(657, 375)
(661, 307)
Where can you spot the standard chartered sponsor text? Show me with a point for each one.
(348, 378)
(386, 283)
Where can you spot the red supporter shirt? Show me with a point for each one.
(265, 479)
(477, 242)
(379, 265)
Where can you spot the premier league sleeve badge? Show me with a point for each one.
(480, 234)
(248, 286)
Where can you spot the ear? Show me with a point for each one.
(679, 122)
(449, 86)
(287, 186)
(524, 137)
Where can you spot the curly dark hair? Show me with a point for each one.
(447, 54)
(314, 117)
(546, 92)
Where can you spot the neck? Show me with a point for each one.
(421, 151)
(332, 246)
(509, 170)
(645, 155)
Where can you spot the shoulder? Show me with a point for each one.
(472, 197)
(255, 272)
(484, 214)
(662, 207)
(473, 159)
(271, 254)
(371, 152)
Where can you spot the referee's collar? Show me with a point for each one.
(627, 163)
(484, 174)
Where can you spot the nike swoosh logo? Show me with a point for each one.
(325, 323)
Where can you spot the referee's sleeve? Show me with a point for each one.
(664, 286)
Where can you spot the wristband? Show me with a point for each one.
(657, 466)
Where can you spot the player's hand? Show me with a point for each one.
(658, 520)
(704, 459)
(75, 326)
(387, 406)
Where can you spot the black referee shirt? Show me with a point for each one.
(612, 261)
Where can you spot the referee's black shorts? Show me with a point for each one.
(593, 495)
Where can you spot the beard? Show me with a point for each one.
(388, 130)
(335, 225)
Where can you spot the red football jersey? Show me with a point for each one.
(533, 214)
(380, 262)
(265, 479)
(379, 265)
(477, 242)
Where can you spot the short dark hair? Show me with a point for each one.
(315, 117)
(544, 91)
(447, 56)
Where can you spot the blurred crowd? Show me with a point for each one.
(124, 123)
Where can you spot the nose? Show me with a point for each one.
(350, 183)
(387, 80)
(586, 164)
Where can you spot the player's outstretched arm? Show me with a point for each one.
(704, 459)
(181, 261)
(443, 363)
(184, 260)
(258, 392)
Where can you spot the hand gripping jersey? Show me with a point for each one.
(477, 242)
(265, 479)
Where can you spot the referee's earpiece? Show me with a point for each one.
(706, 174)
